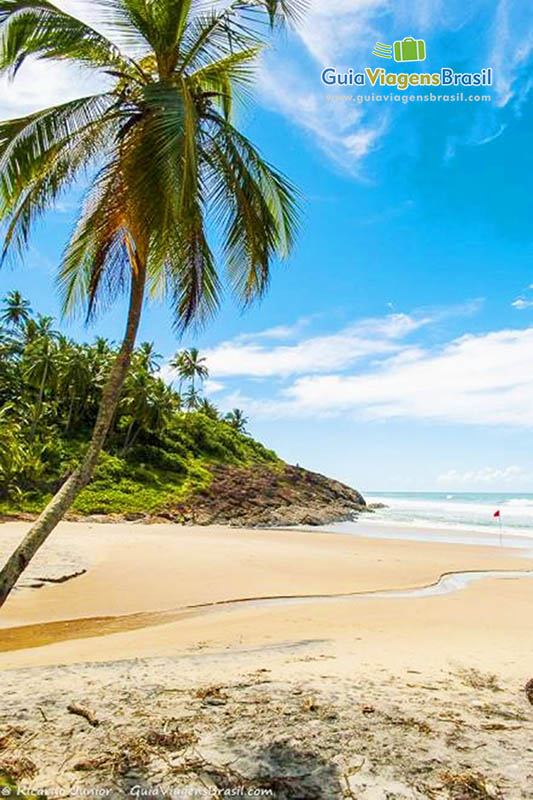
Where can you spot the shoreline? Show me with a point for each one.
(381, 528)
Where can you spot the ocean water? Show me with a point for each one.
(472, 511)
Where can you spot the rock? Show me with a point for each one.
(265, 495)
(529, 691)
(376, 506)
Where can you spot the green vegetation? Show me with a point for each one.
(8, 788)
(156, 454)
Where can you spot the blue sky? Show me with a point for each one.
(394, 348)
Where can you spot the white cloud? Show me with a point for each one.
(487, 477)
(338, 33)
(521, 303)
(380, 369)
(482, 379)
(512, 46)
(212, 387)
(316, 354)
(280, 331)
(249, 354)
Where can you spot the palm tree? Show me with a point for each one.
(74, 377)
(41, 369)
(190, 366)
(147, 357)
(237, 420)
(192, 399)
(16, 310)
(165, 153)
(209, 409)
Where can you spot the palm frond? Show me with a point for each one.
(94, 267)
(256, 207)
(173, 160)
(212, 36)
(163, 178)
(221, 77)
(161, 23)
(42, 154)
(38, 28)
(285, 10)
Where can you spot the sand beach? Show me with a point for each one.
(305, 664)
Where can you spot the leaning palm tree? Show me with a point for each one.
(168, 165)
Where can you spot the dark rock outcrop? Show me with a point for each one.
(267, 496)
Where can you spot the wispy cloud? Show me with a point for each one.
(524, 299)
(383, 369)
(251, 355)
(488, 477)
(483, 379)
(341, 33)
(315, 354)
(521, 303)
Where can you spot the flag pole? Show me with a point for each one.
(497, 515)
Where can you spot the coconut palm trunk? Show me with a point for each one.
(61, 502)
(165, 156)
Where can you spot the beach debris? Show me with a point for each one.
(505, 713)
(477, 679)
(212, 695)
(79, 711)
(311, 704)
(132, 757)
(11, 733)
(529, 691)
(18, 767)
(90, 764)
(368, 710)
(175, 740)
(61, 579)
(410, 722)
(499, 726)
(469, 786)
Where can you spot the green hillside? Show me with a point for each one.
(162, 440)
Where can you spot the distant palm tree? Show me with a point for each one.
(148, 357)
(209, 409)
(16, 310)
(237, 420)
(192, 399)
(42, 363)
(165, 153)
(190, 366)
(74, 377)
(38, 328)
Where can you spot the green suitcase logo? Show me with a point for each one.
(410, 49)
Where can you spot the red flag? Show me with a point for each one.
(497, 514)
